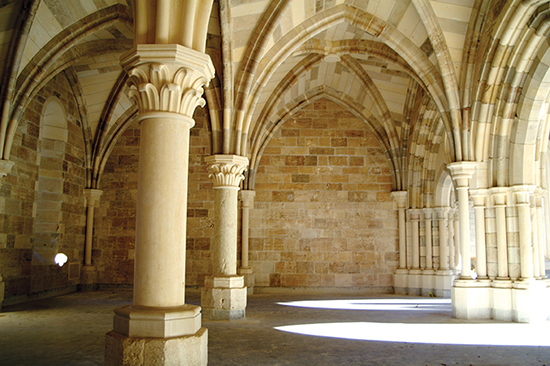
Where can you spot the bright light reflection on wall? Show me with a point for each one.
(374, 304)
(495, 334)
(490, 333)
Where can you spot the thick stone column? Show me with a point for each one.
(401, 277)
(88, 277)
(159, 328)
(428, 279)
(224, 294)
(452, 240)
(247, 199)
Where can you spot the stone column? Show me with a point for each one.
(452, 241)
(415, 272)
(502, 284)
(166, 83)
(224, 295)
(401, 274)
(442, 214)
(478, 196)
(539, 194)
(444, 275)
(499, 198)
(247, 199)
(428, 281)
(88, 279)
(5, 168)
(534, 235)
(461, 173)
(521, 194)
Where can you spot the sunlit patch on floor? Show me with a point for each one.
(374, 304)
(491, 334)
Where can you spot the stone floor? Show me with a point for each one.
(283, 330)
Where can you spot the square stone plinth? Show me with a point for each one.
(191, 350)
(530, 301)
(471, 300)
(224, 298)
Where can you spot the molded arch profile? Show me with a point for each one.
(258, 74)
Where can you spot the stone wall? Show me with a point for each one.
(323, 214)
(24, 274)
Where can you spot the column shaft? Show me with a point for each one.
(443, 242)
(429, 252)
(402, 239)
(224, 253)
(415, 244)
(162, 212)
(481, 247)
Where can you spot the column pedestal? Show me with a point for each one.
(502, 300)
(401, 281)
(88, 278)
(224, 298)
(249, 279)
(428, 282)
(443, 283)
(471, 300)
(530, 301)
(415, 282)
(186, 350)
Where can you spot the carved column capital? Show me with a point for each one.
(461, 172)
(92, 196)
(5, 167)
(399, 199)
(247, 198)
(167, 78)
(226, 170)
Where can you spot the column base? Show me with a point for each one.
(401, 281)
(224, 298)
(190, 350)
(88, 279)
(249, 279)
(443, 283)
(471, 300)
(530, 301)
(415, 282)
(428, 283)
(135, 321)
(502, 300)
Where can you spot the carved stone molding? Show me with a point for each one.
(226, 170)
(167, 78)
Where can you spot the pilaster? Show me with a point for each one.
(415, 272)
(88, 273)
(247, 199)
(428, 275)
(224, 294)
(461, 173)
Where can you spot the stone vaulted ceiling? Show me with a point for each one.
(424, 75)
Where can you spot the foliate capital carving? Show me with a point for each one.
(226, 170)
(167, 78)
